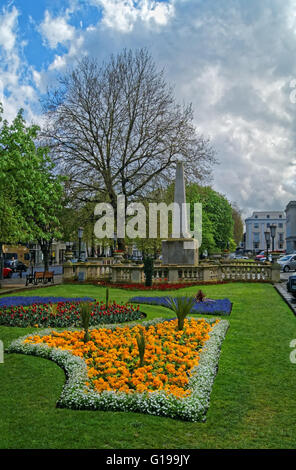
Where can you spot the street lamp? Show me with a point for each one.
(272, 233)
(267, 239)
(80, 235)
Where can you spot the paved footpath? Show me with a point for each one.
(18, 284)
(282, 290)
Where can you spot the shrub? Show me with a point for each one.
(200, 296)
(85, 311)
(141, 346)
(148, 271)
(182, 306)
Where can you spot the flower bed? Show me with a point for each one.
(24, 301)
(67, 314)
(175, 380)
(207, 307)
(162, 286)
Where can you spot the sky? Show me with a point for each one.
(234, 60)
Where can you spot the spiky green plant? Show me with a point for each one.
(53, 309)
(85, 309)
(141, 346)
(182, 306)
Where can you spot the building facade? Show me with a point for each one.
(260, 222)
(291, 227)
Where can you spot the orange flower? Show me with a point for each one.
(112, 356)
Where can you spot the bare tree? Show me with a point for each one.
(116, 129)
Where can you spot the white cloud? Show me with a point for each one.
(8, 24)
(122, 15)
(56, 30)
(232, 60)
(16, 91)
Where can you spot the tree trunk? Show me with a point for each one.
(45, 248)
(121, 244)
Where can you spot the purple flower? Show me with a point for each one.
(208, 307)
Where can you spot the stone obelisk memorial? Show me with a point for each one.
(183, 250)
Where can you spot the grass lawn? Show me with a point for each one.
(252, 402)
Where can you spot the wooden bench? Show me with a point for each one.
(48, 276)
(43, 277)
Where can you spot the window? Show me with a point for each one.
(256, 237)
(267, 216)
(280, 225)
(256, 216)
(256, 225)
(267, 225)
(280, 216)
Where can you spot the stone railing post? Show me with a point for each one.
(173, 275)
(275, 272)
(68, 272)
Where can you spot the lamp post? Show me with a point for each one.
(267, 239)
(272, 233)
(80, 235)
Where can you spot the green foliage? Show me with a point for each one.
(85, 311)
(31, 195)
(217, 221)
(182, 306)
(217, 216)
(141, 346)
(107, 297)
(238, 227)
(148, 270)
(54, 309)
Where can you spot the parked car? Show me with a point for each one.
(260, 255)
(263, 258)
(287, 263)
(6, 273)
(291, 285)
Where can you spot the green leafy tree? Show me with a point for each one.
(238, 225)
(31, 198)
(217, 216)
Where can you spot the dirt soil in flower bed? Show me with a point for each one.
(67, 314)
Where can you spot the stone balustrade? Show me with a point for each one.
(86, 271)
(205, 272)
(246, 272)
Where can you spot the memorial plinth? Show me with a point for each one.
(184, 249)
(180, 251)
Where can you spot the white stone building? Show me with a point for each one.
(260, 222)
(291, 227)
